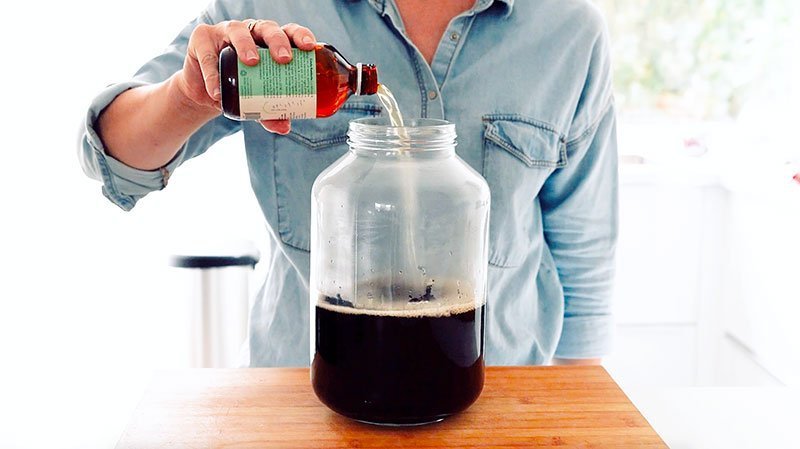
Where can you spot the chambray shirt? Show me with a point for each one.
(526, 82)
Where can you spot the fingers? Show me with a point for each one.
(302, 37)
(201, 67)
(277, 126)
(241, 39)
(205, 52)
(273, 37)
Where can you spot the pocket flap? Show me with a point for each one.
(532, 142)
(321, 133)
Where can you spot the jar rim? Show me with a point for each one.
(420, 134)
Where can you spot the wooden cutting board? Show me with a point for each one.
(573, 406)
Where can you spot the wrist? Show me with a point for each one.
(180, 97)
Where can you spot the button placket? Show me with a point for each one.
(432, 79)
(446, 50)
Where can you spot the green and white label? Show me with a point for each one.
(272, 91)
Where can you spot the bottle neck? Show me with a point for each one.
(364, 79)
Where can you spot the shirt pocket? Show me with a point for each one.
(519, 154)
(300, 157)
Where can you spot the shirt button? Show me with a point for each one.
(432, 95)
(454, 36)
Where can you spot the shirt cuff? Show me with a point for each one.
(585, 337)
(122, 184)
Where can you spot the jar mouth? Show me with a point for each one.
(419, 134)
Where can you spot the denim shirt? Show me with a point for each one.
(528, 85)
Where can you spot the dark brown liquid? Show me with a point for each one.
(396, 369)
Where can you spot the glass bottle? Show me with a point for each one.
(314, 84)
(399, 258)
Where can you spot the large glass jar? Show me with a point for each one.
(399, 229)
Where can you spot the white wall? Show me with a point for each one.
(708, 285)
(85, 308)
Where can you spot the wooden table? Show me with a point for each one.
(276, 408)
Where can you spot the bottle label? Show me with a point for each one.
(272, 91)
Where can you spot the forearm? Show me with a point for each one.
(146, 126)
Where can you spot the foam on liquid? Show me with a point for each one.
(446, 307)
(451, 298)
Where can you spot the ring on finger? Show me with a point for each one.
(251, 24)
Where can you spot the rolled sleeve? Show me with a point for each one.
(125, 185)
(122, 184)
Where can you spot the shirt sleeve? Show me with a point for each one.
(125, 185)
(580, 216)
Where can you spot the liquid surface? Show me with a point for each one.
(390, 104)
(379, 296)
(407, 369)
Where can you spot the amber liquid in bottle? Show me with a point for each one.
(336, 80)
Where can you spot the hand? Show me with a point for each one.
(199, 79)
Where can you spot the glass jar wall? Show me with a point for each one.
(399, 234)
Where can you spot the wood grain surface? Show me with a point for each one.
(571, 406)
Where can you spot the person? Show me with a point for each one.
(527, 84)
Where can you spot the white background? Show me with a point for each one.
(86, 312)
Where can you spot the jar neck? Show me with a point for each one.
(421, 138)
(404, 155)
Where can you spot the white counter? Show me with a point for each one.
(721, 417)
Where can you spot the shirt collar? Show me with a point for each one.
(482, 5)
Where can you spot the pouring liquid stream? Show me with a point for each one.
(408, 261)
(390, 104)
